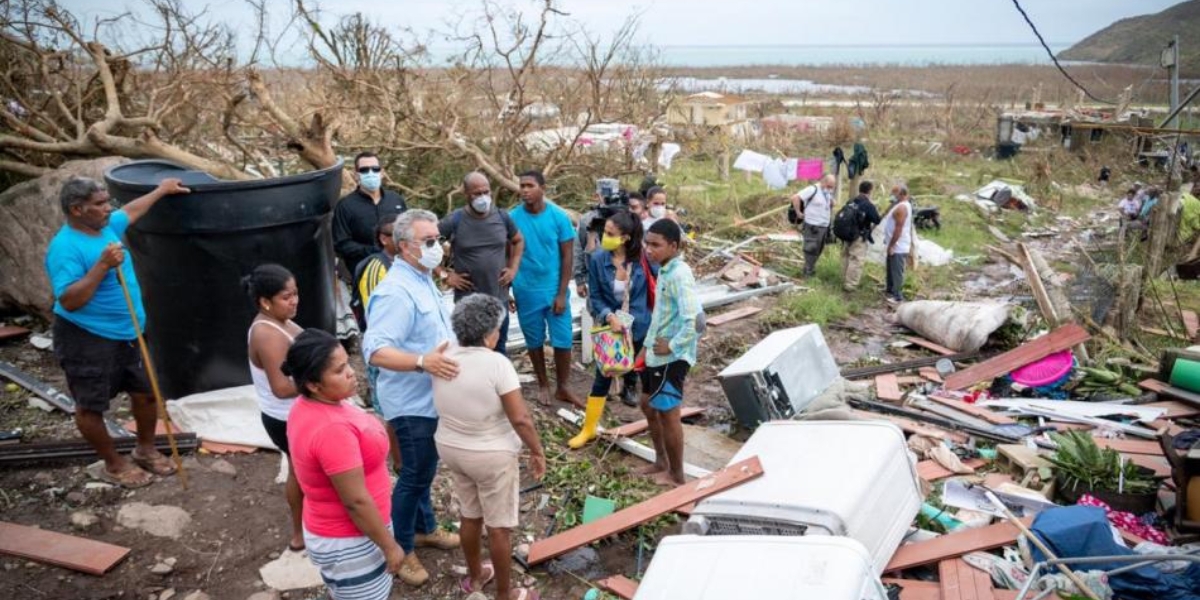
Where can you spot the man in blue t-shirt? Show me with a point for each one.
(94, 338)
(541, 285)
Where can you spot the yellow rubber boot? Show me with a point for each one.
(591, 419)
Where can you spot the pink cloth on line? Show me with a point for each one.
(809, 168)
(1126, 521)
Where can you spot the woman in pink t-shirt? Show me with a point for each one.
(340, 456)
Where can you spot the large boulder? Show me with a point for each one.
(29, 218)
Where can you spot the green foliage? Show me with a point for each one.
(1079, 462)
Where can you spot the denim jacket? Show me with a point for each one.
(603, 300)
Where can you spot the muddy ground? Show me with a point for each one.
(239, 518)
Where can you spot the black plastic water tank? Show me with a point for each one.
(190, 252)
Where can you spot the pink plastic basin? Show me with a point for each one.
(1045, 371)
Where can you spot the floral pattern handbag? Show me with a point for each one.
(614, 352)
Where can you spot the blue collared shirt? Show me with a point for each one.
(406, 312)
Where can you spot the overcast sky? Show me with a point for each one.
(734, 22)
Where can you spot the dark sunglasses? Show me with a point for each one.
(369, 169)
(429, 243)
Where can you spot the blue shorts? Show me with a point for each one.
(665, 385)
(536, 314)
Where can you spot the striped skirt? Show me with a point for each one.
(353, 568)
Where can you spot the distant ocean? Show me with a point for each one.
(908, 55)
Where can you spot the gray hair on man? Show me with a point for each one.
(475, 317)
(76, 191)
(402, 231)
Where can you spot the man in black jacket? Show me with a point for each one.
(855, 253)
(359, 212)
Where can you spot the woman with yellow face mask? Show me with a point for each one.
(621, 290)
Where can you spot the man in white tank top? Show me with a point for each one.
(898, 231)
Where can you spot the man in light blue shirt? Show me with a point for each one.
(408, 330)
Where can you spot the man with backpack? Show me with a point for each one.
(812, 208)
(853, 225)
(485, 247)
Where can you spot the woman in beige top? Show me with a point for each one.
(482, 423)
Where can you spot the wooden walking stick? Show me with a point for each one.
(162, 406)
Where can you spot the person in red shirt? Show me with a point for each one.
(340, 455)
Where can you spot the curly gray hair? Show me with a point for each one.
(475, 317)
(77, 190)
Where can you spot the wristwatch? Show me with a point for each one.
(421, 363)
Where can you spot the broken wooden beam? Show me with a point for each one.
(733, 315)
(733, 475)
(931, 470)
(12, 331)
(953, 545)
(928, 345)
(1131, 446)
(931, 374)
(911, 426)
(1056, 341)
(973, 410)
(59, 549)
(916, 363)
(959, 581)
(888, 388)
(1165, 389)
(636, 427)
(16, 453)
(619, 585)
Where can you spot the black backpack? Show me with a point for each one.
(793, 217)
(846, 224)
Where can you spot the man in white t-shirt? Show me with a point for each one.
(814, 205)
(898, 231)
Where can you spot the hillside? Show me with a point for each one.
(1141, 39)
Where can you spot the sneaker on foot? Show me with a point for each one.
(440, 539)
(412, 571)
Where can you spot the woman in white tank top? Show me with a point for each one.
(272, 288)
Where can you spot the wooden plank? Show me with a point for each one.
(12, 331)
(1158, 464)
(1177, 335)
(620, 585)
(1175, 409)
(1164, 389)
(1060, 339)
(928, 345)
(887, 388)
(80, 554)
(913, 589)
(910, 380)
(931, 374)
(931, 470)
(636, 427)
(733, 475)
(1131, 446)
(1191, 323)
(982, 581)
(948, 580)
(953, 545)
(911, 426)
(975, 411)
(734, 315)
(916, 363)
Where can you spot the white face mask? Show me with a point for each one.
(431, 257)
(481, 204)
(658, 211)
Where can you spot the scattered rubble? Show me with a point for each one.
(161, 521)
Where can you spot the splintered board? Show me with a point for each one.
(80, 554)
(733, 475)
(1067, 336)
